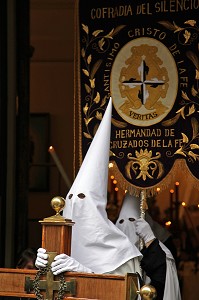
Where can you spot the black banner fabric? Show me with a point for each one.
(144, 54)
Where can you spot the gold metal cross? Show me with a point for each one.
(49, 284)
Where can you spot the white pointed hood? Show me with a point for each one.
(130, 211)
(96, 242)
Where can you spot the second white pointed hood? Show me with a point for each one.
(130, 211)
(96, 242)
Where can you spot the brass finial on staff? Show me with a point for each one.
(57, 203)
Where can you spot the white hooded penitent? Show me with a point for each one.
(129, 212)
(96, 242)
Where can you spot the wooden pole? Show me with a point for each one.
(143, 208)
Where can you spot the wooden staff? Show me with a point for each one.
(143, 208)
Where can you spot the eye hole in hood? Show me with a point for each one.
(81, 196)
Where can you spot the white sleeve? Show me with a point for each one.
(131, 266)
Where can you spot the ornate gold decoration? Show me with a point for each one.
(186, 36)
(179, 164)
(144, 62)
(140, 81)
(189, 146)
(189, 106)
(144, 165)
(99, 41)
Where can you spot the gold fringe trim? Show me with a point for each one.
(179, 168)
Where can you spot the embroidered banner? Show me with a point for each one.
(144, 54)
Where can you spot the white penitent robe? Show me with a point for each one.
(172, 288)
